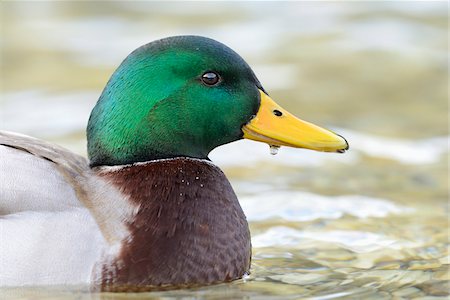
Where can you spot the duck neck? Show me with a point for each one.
(189, 228)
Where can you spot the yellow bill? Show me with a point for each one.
(275, 126)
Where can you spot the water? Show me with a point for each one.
(274, 149)
(368, 224)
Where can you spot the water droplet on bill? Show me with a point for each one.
(274, 149)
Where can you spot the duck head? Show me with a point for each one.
(184, 96)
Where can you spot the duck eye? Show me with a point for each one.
(210, 78)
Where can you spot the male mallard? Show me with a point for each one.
(148, 209)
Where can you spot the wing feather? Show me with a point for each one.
(37, 175)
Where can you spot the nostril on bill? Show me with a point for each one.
(277, 113)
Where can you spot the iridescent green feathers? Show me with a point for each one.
(156, 105)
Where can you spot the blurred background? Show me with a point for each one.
(369, 224)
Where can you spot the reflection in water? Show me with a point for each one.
(372, 223)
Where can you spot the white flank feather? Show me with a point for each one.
(49, 237)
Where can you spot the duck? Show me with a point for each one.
(147, 209)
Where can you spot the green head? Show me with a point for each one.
(163, 101)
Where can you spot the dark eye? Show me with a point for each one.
(210, 78)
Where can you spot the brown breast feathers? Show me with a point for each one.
(189, 229)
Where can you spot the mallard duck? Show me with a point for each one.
(148, 209)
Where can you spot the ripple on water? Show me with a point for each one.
(356, 241)
(304, 206)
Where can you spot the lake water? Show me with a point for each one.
(369, 224)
